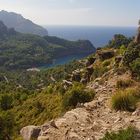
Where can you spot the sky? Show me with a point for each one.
(77, 12)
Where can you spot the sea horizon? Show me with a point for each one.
(98, 35)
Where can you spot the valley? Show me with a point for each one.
(77, 79)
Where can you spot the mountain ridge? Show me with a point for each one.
(23, 51)
(17, 21)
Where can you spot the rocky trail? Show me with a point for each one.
(89, 121)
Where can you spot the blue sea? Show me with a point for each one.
(63, 60)
(98, 35)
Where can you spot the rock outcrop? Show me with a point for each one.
(30, 132)
(105, 54)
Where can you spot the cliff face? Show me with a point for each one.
(20, 24)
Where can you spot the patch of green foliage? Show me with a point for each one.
(135, 67)
(131, 54)
(22, 51)
(119, 40)
(98, 71)
(29, 81)
(33, 95)
(77, 94)
(126, 134)
(106, 63)
(132, 59)
(122, 50)
(7, 125)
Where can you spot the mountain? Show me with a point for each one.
(101, 99)
(21, 51)
(96, 98)
(20, 24)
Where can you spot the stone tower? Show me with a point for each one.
(137, 38)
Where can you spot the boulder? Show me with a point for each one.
(30, 132)
(106, 54)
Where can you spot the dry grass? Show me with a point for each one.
(125, 99)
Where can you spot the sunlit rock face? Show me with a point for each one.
(137, 38)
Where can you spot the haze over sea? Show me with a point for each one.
(99, 36)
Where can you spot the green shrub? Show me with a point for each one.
(7, 123)
(50, 89)
(99, 71)
(6, 102)
(119, 40)
(124, 83)
(127, 134)
(122, 50)
(77, 94)
(135, 67)
(124, 100)
(131, 54)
